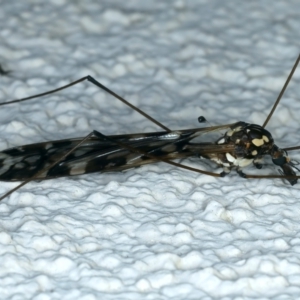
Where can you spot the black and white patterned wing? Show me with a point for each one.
(95, 155)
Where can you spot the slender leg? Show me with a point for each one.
(98, 84)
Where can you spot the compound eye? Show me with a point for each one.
(279, 161)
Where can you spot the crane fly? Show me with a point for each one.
(241, 145)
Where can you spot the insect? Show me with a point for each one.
(241, 145)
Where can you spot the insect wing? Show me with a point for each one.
(94, 155)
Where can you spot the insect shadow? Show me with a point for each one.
(4, 72)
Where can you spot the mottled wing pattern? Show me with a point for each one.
(94, 155)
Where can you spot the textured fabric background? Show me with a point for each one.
(156, 232)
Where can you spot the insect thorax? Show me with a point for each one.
(250, 142)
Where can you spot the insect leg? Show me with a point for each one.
(281, 92)
(98, 84)
(291, 148)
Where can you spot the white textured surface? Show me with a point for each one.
(156, 232)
